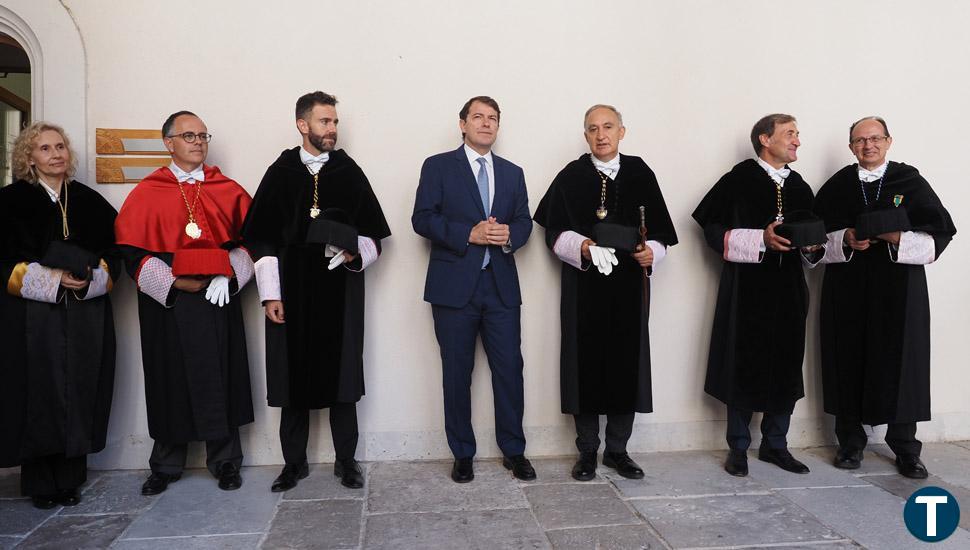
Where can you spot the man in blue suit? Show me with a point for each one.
(473, 207)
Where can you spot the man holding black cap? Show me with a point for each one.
(758, 338)
(593, 213)
(179, 233)
(884, 224)
(315, 225)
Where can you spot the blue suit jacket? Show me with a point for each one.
(446, 208)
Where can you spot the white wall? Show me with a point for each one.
(690, 77)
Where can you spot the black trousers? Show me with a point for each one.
(901, 438)
(47, 475)
(619, 427)
(295, 432)
(774, 429)
(169, 458)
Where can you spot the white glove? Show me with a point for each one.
(604, 258)
(338, 258)
(332, 251)
(218, 291)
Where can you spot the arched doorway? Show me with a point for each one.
(14, 99)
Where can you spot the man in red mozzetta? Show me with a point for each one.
(178, 231)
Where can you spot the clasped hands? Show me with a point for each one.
(70, 282)
(217, 288)
(774, 241)
(856, 244)
(490, 232)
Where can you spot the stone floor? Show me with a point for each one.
(685, 501)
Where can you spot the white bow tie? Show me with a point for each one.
(194, 175)
(322, 158)
(609, 168)
(783, 173)
(867, 176)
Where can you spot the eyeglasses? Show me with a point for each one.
(189, 137)
(861, 141)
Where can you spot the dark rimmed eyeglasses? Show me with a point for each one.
(861, 141)
(190, 137)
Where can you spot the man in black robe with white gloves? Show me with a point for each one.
(884, 223)
(314, 226)
(758, 337)
(592, 215)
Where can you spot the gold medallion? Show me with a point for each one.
(601, 213)
(192, 230)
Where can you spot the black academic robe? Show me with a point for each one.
(758, 337)
(315, 359)
(875, 313)
(58, 360)
(605, 341)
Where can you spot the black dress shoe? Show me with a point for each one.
(585, 467)
(736, 463)
(623, 464)
(68, 497)
(847, 459)
(911, 466)
(520, 466)
(44, 502)
(289, 477)
(229, 477)
(783, 459)
(157, 483)
(349, 473)
(462, 471)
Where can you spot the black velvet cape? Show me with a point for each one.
(315, 359)
(58, 360)
(758, 337)
(605, 343)
(875, 313)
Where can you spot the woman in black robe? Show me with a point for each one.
(58, 256)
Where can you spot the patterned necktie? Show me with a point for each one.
(483, 191)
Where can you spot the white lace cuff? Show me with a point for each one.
(744, 246)
(41, 283)
(835, 249)
(155, 279)
(569, 249)
(916, 248)
(268, 278)
(242, 266)
(367, 249)
(99, 284)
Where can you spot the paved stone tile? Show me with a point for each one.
(114, 493)
(685, 473)
(195, 506)
(558, 470)
(18, 517)
(578, 505)
(202, 542)
(8, 542)
(316, 525)
(322, 484)
(740, 520)
(95, 532)
(903, 487)
(868, 515)
(427, 487)
(872, 463)
(468, 530)
(822, 474)
(950, 463)
(621, 537)
(964, 444)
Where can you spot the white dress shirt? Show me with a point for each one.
(473, 157)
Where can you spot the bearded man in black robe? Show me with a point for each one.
(605, 348)
(884, 223)
(758, 337)
(314, 226)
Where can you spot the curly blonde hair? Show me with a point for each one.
(24, 145)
